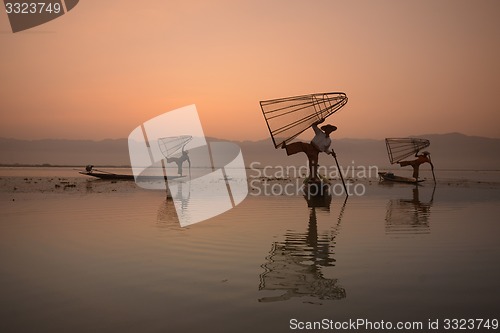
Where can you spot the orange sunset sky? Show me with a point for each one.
(408, 67)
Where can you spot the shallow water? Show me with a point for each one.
(110, 257)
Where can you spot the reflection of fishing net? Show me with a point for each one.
(400, 148)
(287, 117)
(171, 145)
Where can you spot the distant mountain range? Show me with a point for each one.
(448, 151)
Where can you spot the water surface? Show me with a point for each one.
(110, 257)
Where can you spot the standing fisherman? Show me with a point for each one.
(320, 143)
(425, 157)
(179, 160)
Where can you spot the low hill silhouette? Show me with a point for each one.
(448, 151)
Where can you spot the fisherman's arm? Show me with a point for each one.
(316, 128)
(322, 120)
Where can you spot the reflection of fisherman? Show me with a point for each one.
(320, 143)
(425, 157)
(409, 216)
(295, 265)
(179, 160)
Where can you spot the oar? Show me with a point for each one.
(340, 171)
(341, 214)
(433, 176)
(165, 177)
(339, 219)
(432, 196)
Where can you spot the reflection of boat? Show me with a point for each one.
(389, 176)
(318, 195)
(294, 266)
(319, 191)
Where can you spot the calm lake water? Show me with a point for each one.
(110, 257)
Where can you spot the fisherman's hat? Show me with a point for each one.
(329, 128)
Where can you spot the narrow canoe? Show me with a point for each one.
(114, 176)
(390, 177)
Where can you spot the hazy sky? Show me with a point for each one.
(408, 67)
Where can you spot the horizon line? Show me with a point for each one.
(251, 140)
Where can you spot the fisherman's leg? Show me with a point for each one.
(313, 171)
(312, 155)
(179, 168)
(415, 171)
(404, 163)
(295, 147)
(315, 167)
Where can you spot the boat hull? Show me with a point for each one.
(114, 176)
(390, 177)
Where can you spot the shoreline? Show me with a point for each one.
(83, 184)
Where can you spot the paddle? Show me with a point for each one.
(340, 171)
(432, 168)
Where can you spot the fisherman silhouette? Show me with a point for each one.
(425, 157)
(320, 143)
(179, 160)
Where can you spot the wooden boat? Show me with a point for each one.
(389, 176)
(108, 176)
(114, 176)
